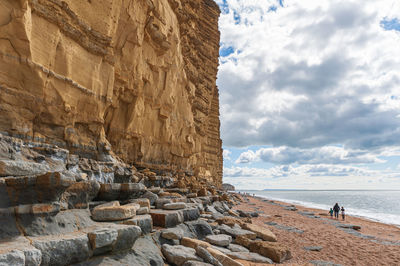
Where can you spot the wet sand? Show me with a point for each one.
(374, 244)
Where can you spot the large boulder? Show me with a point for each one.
(236, 232)
(114, 212)
(219, 240)
(275, 251)
(178, 255)
(262, 232)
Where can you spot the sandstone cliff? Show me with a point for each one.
(128, 79)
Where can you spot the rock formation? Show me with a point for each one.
(106, 80)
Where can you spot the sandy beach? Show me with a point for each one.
(374, 244)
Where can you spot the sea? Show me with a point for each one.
(377, 205)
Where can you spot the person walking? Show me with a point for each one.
(331, 212)
(336, 209)
(342, 213)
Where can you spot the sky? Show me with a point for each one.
(310, 93)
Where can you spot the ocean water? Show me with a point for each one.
(381, 206)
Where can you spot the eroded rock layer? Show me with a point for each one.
(133, 79)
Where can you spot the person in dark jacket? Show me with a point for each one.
(342, 213)
(336, 209)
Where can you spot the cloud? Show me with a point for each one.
(310, 75)
(226, 154)
(324, 155)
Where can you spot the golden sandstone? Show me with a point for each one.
(131, 79)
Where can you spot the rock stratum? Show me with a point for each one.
(94, 82)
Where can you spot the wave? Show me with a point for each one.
(386, 218)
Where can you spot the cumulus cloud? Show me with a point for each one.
(323, 155)
(226, 154)
(310, 74)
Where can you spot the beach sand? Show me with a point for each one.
(374, 244)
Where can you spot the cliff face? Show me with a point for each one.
(129, 78)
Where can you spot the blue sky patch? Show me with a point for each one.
(225, 51)
(390, 24)
(272, 9)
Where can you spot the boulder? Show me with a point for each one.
(174, 206)
(172, 233)
(117, 191)
(127, 235)
(275, 251)
(196, 263)
(143, 202)
(219, 240)
(222, 258)
(236, 232)
(206, 256)
(237, 248)
(102, 240)
(178, 255)
(166, 218)
(78, 195)
(200, 228)
(230, 221)
(14, 257)
(250, 256)
(194, 243)
(190, 214)
(63, 250)
(151, 196)
(142, 210)
(313, 248)
(114, 212)
(262, 232)
(145, 222)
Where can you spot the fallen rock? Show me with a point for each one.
(200, 228)
(118, 191)
(230, 221)
(219, 240)
(143, 202)
(222, 258)
(142, 210)
(236, 232)
(324, 263)
(114, 212)
(174, 206)
(206, 256)
(63, 250)
(178, 255)
(14, 257)
(262, 232)
(166, 218)
(250, 256)
(194, 243)
(237, 248)
(313, 248)
(350, 226)
(102, 240)
(172, 233)
(196, 263)
(275, 251)
(143, 221)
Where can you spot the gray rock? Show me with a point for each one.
(190, 214)
(223, 250)
(179, 254)
(15, 257)
(237, 248)
(350, 226)
(172, 233)
(221, 240)
(196, 263)
(200, 228)
(234, 232)
(63, 250)
(313, 248)
(114, 212)
(117, 191)
(102, 240)
(152, 197)
(22, 168)
(142, 210)
(127, 235)
(250, 256)
(160, 202)
(33, 257)
(174, 206)
(206, 256)
(80, 194)
(143, 221)
(165, 218)
(324, 263)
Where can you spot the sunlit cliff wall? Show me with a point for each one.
(131, 78)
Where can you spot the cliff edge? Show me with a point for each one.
(106, 79)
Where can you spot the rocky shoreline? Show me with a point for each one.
(59, 208)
